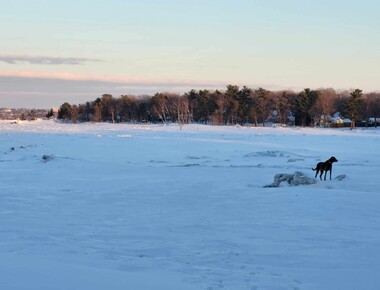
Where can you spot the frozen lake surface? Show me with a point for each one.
(121, 206)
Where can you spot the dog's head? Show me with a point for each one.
(333, 159)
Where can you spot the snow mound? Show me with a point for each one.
(296, 179)
(46, 158)
(340, 177)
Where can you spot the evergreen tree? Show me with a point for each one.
(232, 105)
(64, 112)
(260, 103)
(50, 114)
(245, 100)
(304, 104)
(352, 105)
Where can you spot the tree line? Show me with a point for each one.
(235, 105)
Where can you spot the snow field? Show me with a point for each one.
(155, 207)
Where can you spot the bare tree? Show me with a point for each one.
(74, 113)
(97, 108)
(159, 106)
(219, 113)
(376, 106)
(324, 105)
(280, 102)
(183, 110)
(370, 107)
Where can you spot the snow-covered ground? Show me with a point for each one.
(121, 206)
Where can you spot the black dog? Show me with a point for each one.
(324, 167)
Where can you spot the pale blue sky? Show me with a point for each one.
(56, 51)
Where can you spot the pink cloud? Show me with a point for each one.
(45, 60)
(38, 89)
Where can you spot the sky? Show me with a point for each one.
(56, 51)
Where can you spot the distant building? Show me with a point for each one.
(26, 114)
(337, 120)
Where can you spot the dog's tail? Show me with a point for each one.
(314, 168)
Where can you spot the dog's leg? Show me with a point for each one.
(325, 174)
(330, 172)
(320, 176)
(316, 173)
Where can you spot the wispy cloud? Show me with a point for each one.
(45, 60)
(119, 80)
